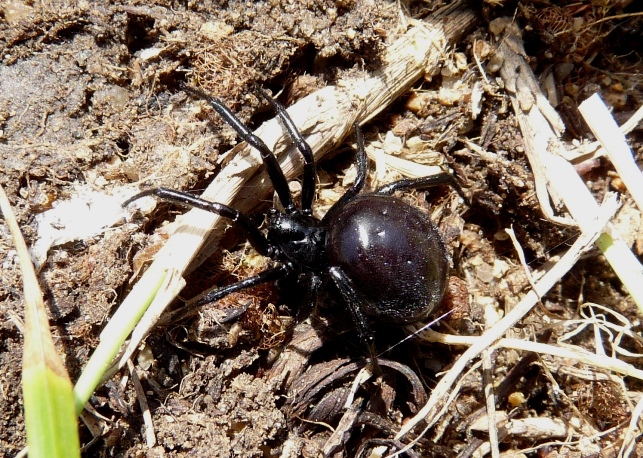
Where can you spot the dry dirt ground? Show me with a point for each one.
(90, 94)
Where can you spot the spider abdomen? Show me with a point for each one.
(393, 254)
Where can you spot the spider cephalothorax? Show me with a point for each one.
(300, 238)
(386, 258)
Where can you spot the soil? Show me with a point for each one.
(91, 94)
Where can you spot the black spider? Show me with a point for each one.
(386, 258)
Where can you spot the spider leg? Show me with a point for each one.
(268, 275)
(308, 187)
(311, 284)
(238, 219)
(275, 173)
(351, 299)
(360, 179)
(272, 274)
(423, 183)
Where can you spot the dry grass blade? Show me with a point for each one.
(431, 411)
(604, 127)
(545, 152)
(556, 180)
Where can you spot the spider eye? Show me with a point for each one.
(292, 231)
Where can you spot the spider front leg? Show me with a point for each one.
(275, 173)
(238, 219)
(308, 187)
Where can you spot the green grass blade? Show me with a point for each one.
(52, 429)
(50, 418)
(115, 333)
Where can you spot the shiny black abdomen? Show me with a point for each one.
(392, 253)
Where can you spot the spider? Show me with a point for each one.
(385, 258)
